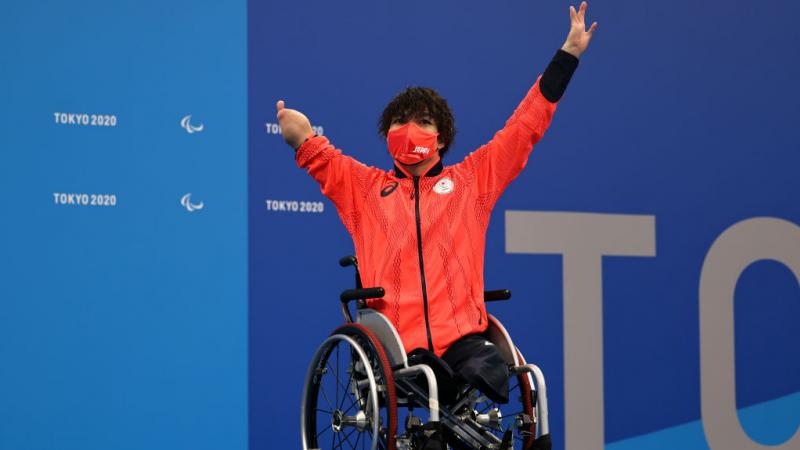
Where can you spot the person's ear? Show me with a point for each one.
(439, 144)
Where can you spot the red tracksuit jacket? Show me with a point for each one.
(422, 238)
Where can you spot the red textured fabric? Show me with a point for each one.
(378, 210)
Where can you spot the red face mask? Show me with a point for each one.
(411, 144)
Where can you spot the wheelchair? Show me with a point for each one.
(361, 384)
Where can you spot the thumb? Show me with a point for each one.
(280, 105)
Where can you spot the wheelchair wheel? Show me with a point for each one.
(527, 431)
(349, 398)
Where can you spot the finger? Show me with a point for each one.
(582, 12)
(592, 28)
(280, 105)
(573, 16)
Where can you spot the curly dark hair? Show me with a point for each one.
(416, 102)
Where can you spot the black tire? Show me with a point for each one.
(338, 411)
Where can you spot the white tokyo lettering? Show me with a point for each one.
(423, 150)
(274, 128)
(583, 239)
(745, 242)
(95, 120)
(294, 206)
(81, 199)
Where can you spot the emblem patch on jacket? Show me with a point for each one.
(389, 188)
(443, 186)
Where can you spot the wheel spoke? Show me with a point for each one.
(346, 389)
(349, 408)
(369, 430)
(323, 430)
(336, 375)
(347, 438)
(325, 395)
(339, 385)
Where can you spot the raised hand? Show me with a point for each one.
(578, 38)
(295, 126)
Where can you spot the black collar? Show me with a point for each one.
(435, 170)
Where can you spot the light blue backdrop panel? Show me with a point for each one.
(123, 323)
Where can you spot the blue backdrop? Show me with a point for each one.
(158, 289)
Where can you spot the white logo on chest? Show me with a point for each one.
(443, 186)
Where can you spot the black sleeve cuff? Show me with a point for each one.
(557, 75)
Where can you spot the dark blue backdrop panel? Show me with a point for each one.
(683, 111)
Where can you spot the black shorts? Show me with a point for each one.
(477, 361)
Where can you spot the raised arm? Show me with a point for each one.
(341, 178)
(497, 163)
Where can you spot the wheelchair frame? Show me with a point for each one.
(470, 430)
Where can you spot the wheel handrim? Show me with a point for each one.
(343, 408)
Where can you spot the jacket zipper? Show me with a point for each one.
(422, 264)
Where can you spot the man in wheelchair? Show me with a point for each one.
(419, 233)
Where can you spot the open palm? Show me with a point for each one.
(578, 37)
